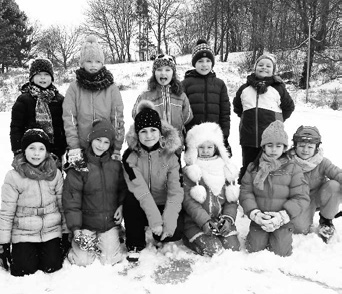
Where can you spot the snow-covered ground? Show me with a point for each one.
(313, 268)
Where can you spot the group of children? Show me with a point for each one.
(45, 217)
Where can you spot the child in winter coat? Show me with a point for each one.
(273, 192)
(31, 215)
(166, 93)
(260, 101)
(39, 105)
(207, 94)
(152, 175)
(93, 96)
(210, 200)
(324, 180)
(92, 200)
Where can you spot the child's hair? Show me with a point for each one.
(41, 65)
(91, 50)
(267, 56)
(165, 60)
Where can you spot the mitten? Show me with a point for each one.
(116, 155)
(5, 256)
(262, 220)
(157, 230)
(87, 242)
(279, 218)
(209, 227)
(225, 225)
(74, 155)
(65, 244)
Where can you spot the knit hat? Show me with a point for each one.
(102, 128)
(202, 49)
(275, 133)
(91, 50)
(307, 134)
(35, 135)
(267, 56)
(39, 65)
(146, 116)
(164, 60)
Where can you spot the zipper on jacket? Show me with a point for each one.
(206, 98)
(256, 121)
(104, 192)
(149, 171)
(42, 216)
(92, 105)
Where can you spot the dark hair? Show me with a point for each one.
(176, 85)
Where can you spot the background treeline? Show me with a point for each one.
(140, 29)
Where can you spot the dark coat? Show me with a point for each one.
(208, 98)
(24, 118)
(90, 199)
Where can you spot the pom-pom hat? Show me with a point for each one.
(146, 117)
(41, 65)
(33, 136)
(202, 49)
(102, 128)
(275, 133)
(267, 56)
(91, 50)
(164, 60)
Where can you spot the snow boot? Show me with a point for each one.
(133, 254)
(326, 228)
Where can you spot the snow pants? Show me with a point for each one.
(279, 241)
(249, 154)
(326, 199)
(109, 245)
(28, 257)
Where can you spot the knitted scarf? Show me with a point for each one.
(261, 84)
(43, 97)
(47, 170)
(310, 163)
(166, 103)
(267, 164)
(94, 81)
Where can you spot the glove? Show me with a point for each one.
(5, 256)
(65, 244)
(262, 219)
(279, 218)
(157, 230)
(87, 242)
(228, 148)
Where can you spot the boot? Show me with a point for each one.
(326, 228)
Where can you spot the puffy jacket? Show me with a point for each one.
(257, 111)
(284, 189)
(208, 98)
(91, 198)
(31, 210)
(153, 177)
(81, 107)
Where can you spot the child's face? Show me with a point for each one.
(206, 149)
(305, 150)
(42, 79)
(100, 145)
(35, 153)
(274, 150)
(92, 65)
(203, 66)
(149, 136)
(164, 75)
(264, 68)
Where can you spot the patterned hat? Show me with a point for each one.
(275, 133)
(102, 128)
(201, 50)
(91, 50)
(267, 56)
(307, 134)
(40, 65)
(146, 117)
(164, 60)
(35, 135)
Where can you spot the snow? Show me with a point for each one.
(314, 267)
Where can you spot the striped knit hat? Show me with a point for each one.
(201, 50)
(164, 60)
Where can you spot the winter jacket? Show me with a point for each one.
(31, 210)
(178, 108)
(91, 198)
(208, 98)
(153, 178)
(284, 189)
(257, 111)
(81, 107)
(24, 118)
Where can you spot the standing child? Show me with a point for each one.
(207, 94)
(166, 93)
(210, 199)
(324, 180)
(262, 100)
(92, 200)
(152, 175)
(31, 215)
(40, 105)
(93, 96)
(273, 192)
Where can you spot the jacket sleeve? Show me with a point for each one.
(224, 111)
(136, 184)
(122, 187)
(18, 123)
(286, 103)
(331, 171)
(230, 209)
(59, 192)
(117, 119)
(237, 103)
(9, 198)
(72, 199)
(187, 111)
(70, 117)
(299, 198)
(247, 197)
(175, 196)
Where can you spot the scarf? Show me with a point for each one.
(310, 163)
(43, 97)
(166, 97)
(267, 164)
(47, 170)
(94, 81)
(212, 173)
(261, 84)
